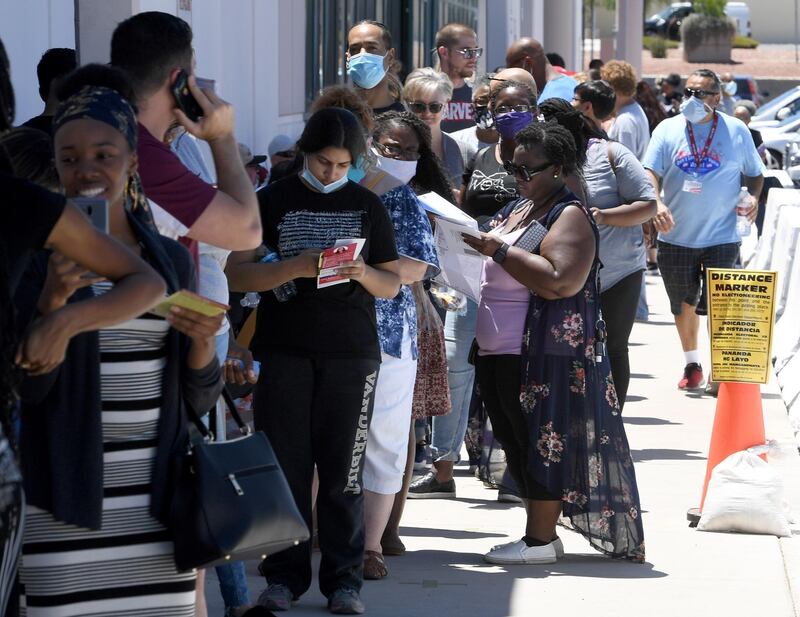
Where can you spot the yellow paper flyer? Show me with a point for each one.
(741, 315)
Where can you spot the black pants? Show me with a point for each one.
(499, 379)
(619, 311)
(317, 411)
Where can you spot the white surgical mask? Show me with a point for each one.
(402, 170)
(695, 109)
(313, 182)
(730, 87)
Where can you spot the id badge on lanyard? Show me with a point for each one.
(694, 185)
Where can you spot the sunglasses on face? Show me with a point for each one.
(700, 94)
(470, 52)
(504, 109)
(393, 151)
(522, 172)
(418, 107)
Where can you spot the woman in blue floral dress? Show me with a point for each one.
(541, 366)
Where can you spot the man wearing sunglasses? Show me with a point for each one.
(700, 158)
(457, 54)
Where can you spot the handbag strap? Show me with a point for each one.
(205, 434)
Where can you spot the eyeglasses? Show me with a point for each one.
(504, 109)
(396, 152)
(520, 171)
(578, 100)
(470, 52)
(418, 107)
(700, 94)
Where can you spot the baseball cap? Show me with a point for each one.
(280, 143)
(247, 156)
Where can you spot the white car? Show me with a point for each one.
(772, 113)
(777, 139)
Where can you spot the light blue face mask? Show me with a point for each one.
(694, 109)
(314, 183)
(366, 70)
(356, 172)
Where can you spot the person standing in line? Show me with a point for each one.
(396, 137)
(370, 66)
(528, 54)
(154, 49)
(457, 54)
(647, 99)
(670, 93)
(701, 159)
(121, 393)
(33, 219)
(551, 402)
(620, 198)
(426, 94)
(487, 189)
(631, 128)
(55, 64)
(319, 351)
(727, 102)
(482, 133)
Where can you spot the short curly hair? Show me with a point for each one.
(621, 76)
(346, 98)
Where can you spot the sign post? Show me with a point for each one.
(741, 315)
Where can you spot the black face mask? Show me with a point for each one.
(483, 117)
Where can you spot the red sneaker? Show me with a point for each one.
(692, 377)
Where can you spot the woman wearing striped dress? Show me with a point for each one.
(100, 434)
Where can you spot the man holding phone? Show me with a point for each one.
(155, 50)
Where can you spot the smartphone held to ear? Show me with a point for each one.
(96, 209)
(184, 99)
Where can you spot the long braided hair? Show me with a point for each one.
(430, 175)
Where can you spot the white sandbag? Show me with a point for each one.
(746, 495)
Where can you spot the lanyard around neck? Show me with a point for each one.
(700, 156)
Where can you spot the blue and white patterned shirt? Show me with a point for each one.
(414, 239)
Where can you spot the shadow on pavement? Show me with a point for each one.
(633, 398)
(642, 376)
(647, 421)
(656, 454)
(453, 534)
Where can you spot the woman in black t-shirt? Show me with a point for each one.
(487, 186)
(319, 350)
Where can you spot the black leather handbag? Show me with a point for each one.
(232, 501)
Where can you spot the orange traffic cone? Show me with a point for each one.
(738, 424)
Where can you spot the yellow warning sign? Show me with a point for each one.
(741, 315)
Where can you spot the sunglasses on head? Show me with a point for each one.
(700, 94)
(470, 52)
(418, 107)
(522, 172)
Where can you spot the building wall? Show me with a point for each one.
(28, 29)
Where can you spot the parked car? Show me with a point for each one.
(773, 112)
(667, 22)
(780, 138)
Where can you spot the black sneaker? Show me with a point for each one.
(428, 487)
(345, 601)
(276, 597)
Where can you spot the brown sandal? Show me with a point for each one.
(374, 566)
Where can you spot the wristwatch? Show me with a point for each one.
(500, 254)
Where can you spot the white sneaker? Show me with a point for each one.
(520, 553)
(557, 544)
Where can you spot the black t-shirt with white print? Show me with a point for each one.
(489, 187)
(337, 321)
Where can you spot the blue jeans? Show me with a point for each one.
(232, 576)
(448, 431)
(642, 310)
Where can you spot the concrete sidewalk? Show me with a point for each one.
(687, 572)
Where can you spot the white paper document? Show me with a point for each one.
(439, 206)
(462, 266)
